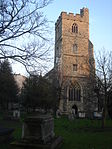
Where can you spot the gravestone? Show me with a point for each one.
(38, 133)
(58, 113)
(82, 115)
(16, 114)
(70, 117)
(98, 115)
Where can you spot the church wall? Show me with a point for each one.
(66, 58)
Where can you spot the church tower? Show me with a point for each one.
(73, 54)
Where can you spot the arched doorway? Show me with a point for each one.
(74, 107)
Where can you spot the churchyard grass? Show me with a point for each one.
(84, 134)
(77, 134)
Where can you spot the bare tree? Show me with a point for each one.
(100, 79)
(104, 81)
(24, 31)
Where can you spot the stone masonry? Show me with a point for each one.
(74, 62)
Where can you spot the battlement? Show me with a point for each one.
(84, 12)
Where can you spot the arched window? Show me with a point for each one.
(75, 48)
(74, 67)
(75, 93)
(75, 28)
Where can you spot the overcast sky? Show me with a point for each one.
(100, 19)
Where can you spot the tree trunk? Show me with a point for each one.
(104, 114)
(103, 119)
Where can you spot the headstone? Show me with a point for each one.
(82, 115)
(16, 114)
(70, 117)
(97, 114)
(58, 113)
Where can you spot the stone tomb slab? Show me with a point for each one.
(38, 133)
(39, 128)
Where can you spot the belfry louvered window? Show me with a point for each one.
(75, 28)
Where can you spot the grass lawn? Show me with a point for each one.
(77, 134)
(84, 134)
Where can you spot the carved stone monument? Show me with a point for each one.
(16, 114)
(38, 133)
(39, 128)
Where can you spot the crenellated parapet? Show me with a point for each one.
(83, 16)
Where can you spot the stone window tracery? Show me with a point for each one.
(75, 28)
(75, 93)
(75, 48)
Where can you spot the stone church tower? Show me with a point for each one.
(73, 55)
